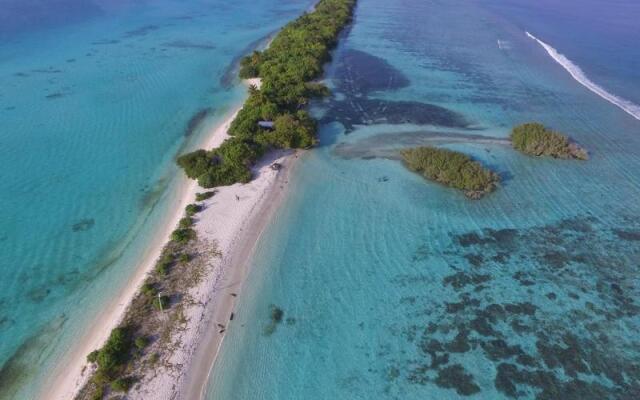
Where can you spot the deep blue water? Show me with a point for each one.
(96, 100)
(397, 288)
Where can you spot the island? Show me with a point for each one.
(451, 168)
(535, 139)
(273, 117)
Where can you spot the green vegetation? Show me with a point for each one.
(536, 140)
(161, 303)
(112, 356)
(192, 209)
(164, 264)
(451, 168)
(184, 258)
(149, 290)
(129, 345)
(205, 195)
(185, 222)
(287, 70)
(183, 235)
(141, 342)
(121, 385)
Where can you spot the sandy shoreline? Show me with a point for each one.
(236, 266)
(235, 225)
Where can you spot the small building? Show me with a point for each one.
(269, 125)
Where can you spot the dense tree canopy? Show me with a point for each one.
(535, 139)
(287, 70)
(451, 168)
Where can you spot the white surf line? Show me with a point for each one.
(579, 75)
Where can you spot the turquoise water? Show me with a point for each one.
(396, 288)
(96, 100)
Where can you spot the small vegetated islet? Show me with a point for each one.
(536, 140)
(451, 168)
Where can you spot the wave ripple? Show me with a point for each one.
(579, 75)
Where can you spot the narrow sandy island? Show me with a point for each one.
(234, 219)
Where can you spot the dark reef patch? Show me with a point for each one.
(83, 225)
(49, 70)
(38, 295)
(151, 194)
(365, 111)
(15, 372)
(141, 31)
(358, 75)
(196, 120)
(105, 42)
(628, 235)
(186, 44)
(55, 95)
(550, 307)
(460, 279)
(455, 377)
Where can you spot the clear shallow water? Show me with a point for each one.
(396, 288)
(96, 99)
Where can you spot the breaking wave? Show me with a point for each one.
(579, 75)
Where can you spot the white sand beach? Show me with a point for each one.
(234, 218)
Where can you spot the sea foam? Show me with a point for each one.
(579, 75)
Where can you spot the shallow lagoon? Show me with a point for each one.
(96, 100)
(396, 288)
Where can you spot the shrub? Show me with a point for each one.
(249, 66)
(184, 258)
(93, 356)
(185, 222)
(164, 263)
(535, 139)
(141, 342)
(149, 290)
(161, 303)
(98, 393)
(205, 195)
(121, 385)
(113, 354)
(192, 209)
(154, 358)
(291, 131)
(183, 235)
(195, 163)
(451, 168)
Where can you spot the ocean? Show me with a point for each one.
(393, 287)
(97, 98)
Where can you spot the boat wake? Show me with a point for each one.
(579, 75)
